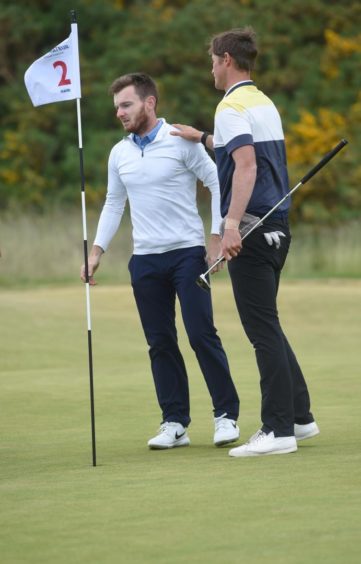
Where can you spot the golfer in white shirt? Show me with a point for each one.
(157, 173)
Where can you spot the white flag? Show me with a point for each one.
(55, 77)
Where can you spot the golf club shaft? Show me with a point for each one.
(305, 179)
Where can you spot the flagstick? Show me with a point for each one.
(87, 288)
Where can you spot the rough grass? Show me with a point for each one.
(188, 505)
(48, 249)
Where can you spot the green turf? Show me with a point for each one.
(193, 504)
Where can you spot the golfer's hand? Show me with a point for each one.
(231, 243)
(214, 251)
(91, 269)
(93, 264)
(187, 132)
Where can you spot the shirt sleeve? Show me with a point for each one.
(235, 127)
(200, 163)
(113, 208)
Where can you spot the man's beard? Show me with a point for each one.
(139, 124)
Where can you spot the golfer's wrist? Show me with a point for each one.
(231, 223)
(204, 137)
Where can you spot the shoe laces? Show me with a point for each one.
(166, 427)
(221, 422)
(257, 437)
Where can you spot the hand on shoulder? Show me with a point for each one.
(187, 132)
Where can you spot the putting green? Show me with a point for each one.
(196, 504)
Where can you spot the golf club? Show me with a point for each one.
(202, 278)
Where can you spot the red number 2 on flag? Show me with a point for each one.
(63, 81)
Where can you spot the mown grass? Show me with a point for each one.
(188, 505)
(48, 248)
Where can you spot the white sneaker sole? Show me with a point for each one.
(181, 443)
(245, 453)
(225, 442)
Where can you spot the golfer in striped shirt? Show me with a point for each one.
(249, 148)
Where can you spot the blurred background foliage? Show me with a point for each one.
(309, 64)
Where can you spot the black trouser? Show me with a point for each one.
(157, 279)
(255, 276)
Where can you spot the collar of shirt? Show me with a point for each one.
(237, 85)
(143, 141)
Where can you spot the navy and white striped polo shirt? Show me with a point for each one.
(245, 116)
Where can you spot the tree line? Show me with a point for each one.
(309, 64)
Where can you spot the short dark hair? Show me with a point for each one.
(239, 43)
(143, 84)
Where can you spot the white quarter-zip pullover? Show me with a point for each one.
(160, 183)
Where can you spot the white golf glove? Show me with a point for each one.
(274, 237)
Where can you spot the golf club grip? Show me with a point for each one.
(324, 160)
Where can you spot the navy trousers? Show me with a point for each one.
(156, 280)
(255, 276)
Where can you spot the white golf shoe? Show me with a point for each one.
(225, 430)
(306, 431)
(170, 435)
(262, 443)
